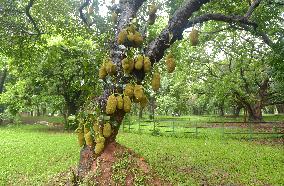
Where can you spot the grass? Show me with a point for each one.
(32, 154)
(209, 162)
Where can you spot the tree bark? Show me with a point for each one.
(280, 108)
(2, 82)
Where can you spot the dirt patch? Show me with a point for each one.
(117, 165)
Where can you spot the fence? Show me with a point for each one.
(177, 126)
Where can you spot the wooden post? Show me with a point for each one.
(223, 130)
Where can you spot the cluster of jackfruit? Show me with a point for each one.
(152, 14)
(130, 37)
(156, 81)
(170, 62)
(107, 68)
(193, 37)
(143, 62)
(127, 65)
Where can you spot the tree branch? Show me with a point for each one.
(176, 25)
(82, 15)
(252, 7)
(221, 17)
(28, 14)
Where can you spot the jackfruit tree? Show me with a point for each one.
(140, 35)
(133, 55)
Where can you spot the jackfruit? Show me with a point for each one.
(80, 137)
(147, 64)
(99, 148)
(114, 17)
(193, 37)
(107, 130)
(122, 36)
(111, 104)
(97, 128)
(119, 102)
(156, 81)
(131, 37)
(89, 139)
(127, 65)
(126, 104)
(128, 90)
(110, 68)
(102, 72)
(139, 62)
(144, 102)
(86, 130)
(131, 28)
(138, 92)
(100, 139)
(138, 39)
(170, 62)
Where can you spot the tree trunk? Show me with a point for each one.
(221, 111)
(255, 112)
(2, 82)
(280, 108)
(236, 111)
(140, 113)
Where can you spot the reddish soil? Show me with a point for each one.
(117, 165)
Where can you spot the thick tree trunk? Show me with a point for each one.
(255, 112)
(280, 108)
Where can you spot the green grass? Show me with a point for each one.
(191, 161)
(32, 154)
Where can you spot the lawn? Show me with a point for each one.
(202, 161)
(33, 154)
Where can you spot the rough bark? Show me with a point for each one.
(280, 108)
(2, 82)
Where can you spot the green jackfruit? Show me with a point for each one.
(119, 102)
(107, 130)
(111, 104)
(139, 62)
(156, 81)
(126, 104)
(89, 139)
(193, 37)
(138, 92)
(147, 64)
(128, 90)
